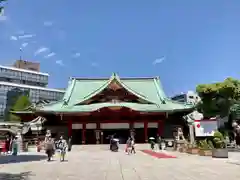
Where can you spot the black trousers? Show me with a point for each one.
(133, 150)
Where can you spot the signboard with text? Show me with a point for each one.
(204, 128)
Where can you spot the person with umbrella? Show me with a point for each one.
(152, 143)
(115, 144)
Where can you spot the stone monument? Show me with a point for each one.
(180, 141)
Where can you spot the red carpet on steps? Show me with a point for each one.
(158, 154)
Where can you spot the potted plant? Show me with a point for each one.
(205, 148)
(220, 150)
(192, 148)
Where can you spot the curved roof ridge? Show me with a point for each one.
(158, 89)
(113, 74)
(69, 91)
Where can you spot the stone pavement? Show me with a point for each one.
(97, 162)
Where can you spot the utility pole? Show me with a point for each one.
(20, 54)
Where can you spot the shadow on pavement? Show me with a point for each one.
(21, 158)
(19, 176)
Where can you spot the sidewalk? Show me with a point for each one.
(234, 158)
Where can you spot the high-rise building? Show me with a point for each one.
(15, 82)
(33, 66)
(23, 76)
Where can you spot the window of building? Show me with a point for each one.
(180, 97)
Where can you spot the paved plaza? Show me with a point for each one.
(97, 162)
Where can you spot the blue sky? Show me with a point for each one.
(184, 42)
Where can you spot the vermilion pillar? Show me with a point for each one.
(160, 127)
(83, 133)
(69, 127)
(146, 131)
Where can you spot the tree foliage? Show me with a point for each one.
(21, 103)
(219, 98)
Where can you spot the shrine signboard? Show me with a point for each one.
(205, 127)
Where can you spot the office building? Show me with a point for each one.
(15, 82)
(33, 66)
(23, 76)
(189, 97)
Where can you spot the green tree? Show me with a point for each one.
(21, 103)
(219, 98)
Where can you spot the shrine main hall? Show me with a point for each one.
(92, 109)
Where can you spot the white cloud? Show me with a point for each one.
(41, 50)
(159, 60)
(76, 55)
(13, 38)
(48, 23)
(60, 62)
(50, 55)
(25, 36)
(24, 44)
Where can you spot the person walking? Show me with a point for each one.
(49, 146)
(14, 146)
(133, 146)
(70, 144)
(128, 146)
(152, 143)
(8, 143)
(62, 146)
(159, 142)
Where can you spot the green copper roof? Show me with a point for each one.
(83, 89)
(147, 89)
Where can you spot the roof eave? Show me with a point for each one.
(90, 111)
(22, 112)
